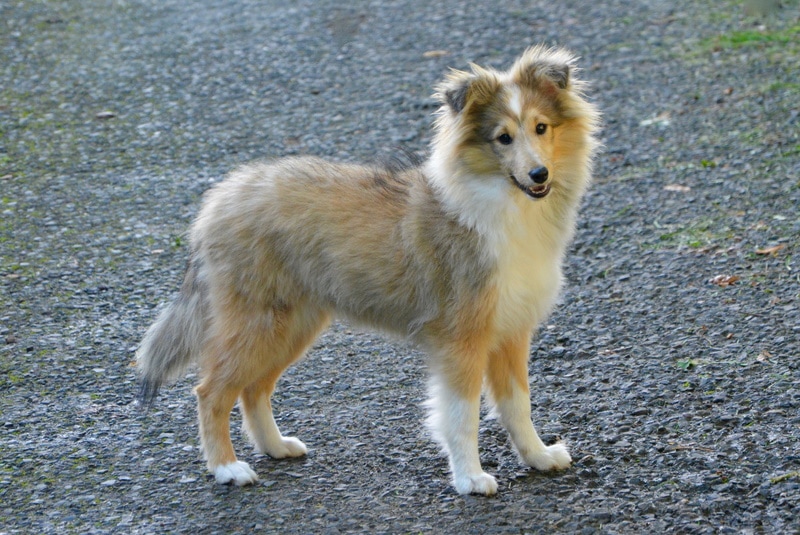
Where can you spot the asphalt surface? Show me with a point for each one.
(670, 365)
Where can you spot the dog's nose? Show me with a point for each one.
(539, 175)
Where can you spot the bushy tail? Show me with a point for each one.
(174, 340)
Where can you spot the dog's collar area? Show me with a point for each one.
(537, 191)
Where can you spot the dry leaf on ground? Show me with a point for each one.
(773, 250)
(723, 281)
(677, 187)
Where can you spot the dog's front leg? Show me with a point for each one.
(455, 413)
(515, 414)
(508, 384)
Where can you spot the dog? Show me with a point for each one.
(460, 253)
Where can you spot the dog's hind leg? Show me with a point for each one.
(249, 341)
(295, 330)
(259, 423)
(215, 400)
(508, 382)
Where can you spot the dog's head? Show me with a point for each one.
(516, 125)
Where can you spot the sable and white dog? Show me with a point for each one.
(461, 254)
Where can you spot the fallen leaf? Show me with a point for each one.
(662, 119)
(723, 281)
(677, 187)
(763, 356)
(773, 250)
(435, 53)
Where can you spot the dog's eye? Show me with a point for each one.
(541, 128)
(504, 139)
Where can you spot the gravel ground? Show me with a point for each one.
(670, 366)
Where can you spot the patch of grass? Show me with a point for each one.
(784, 477)
(778, 45)
(790, 87)
(749, 38)
(791, 152)
(694, 235)
(13, 378)
(626, 210)
(708, 163)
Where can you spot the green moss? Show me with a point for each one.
(783, 477)
(783, 86)
(697, 234)
(751, 38)
(13, 378)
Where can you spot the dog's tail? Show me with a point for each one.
(176, 337)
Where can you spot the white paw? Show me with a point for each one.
(287, 447)
(237, 472)
(555, 457)
(481, 483)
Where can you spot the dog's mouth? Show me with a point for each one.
(536, 191)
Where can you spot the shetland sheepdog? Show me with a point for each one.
(461, 253)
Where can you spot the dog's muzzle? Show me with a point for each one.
(541, 187)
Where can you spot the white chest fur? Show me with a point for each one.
(525, 237)
(529, 259)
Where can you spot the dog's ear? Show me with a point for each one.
(539, 65)
(453, 91)
(558, 74)
(533, 74)
(461, 89)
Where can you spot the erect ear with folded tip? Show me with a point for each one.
(460, 89)
(559, 74)
(538, 71)
(456, 96)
